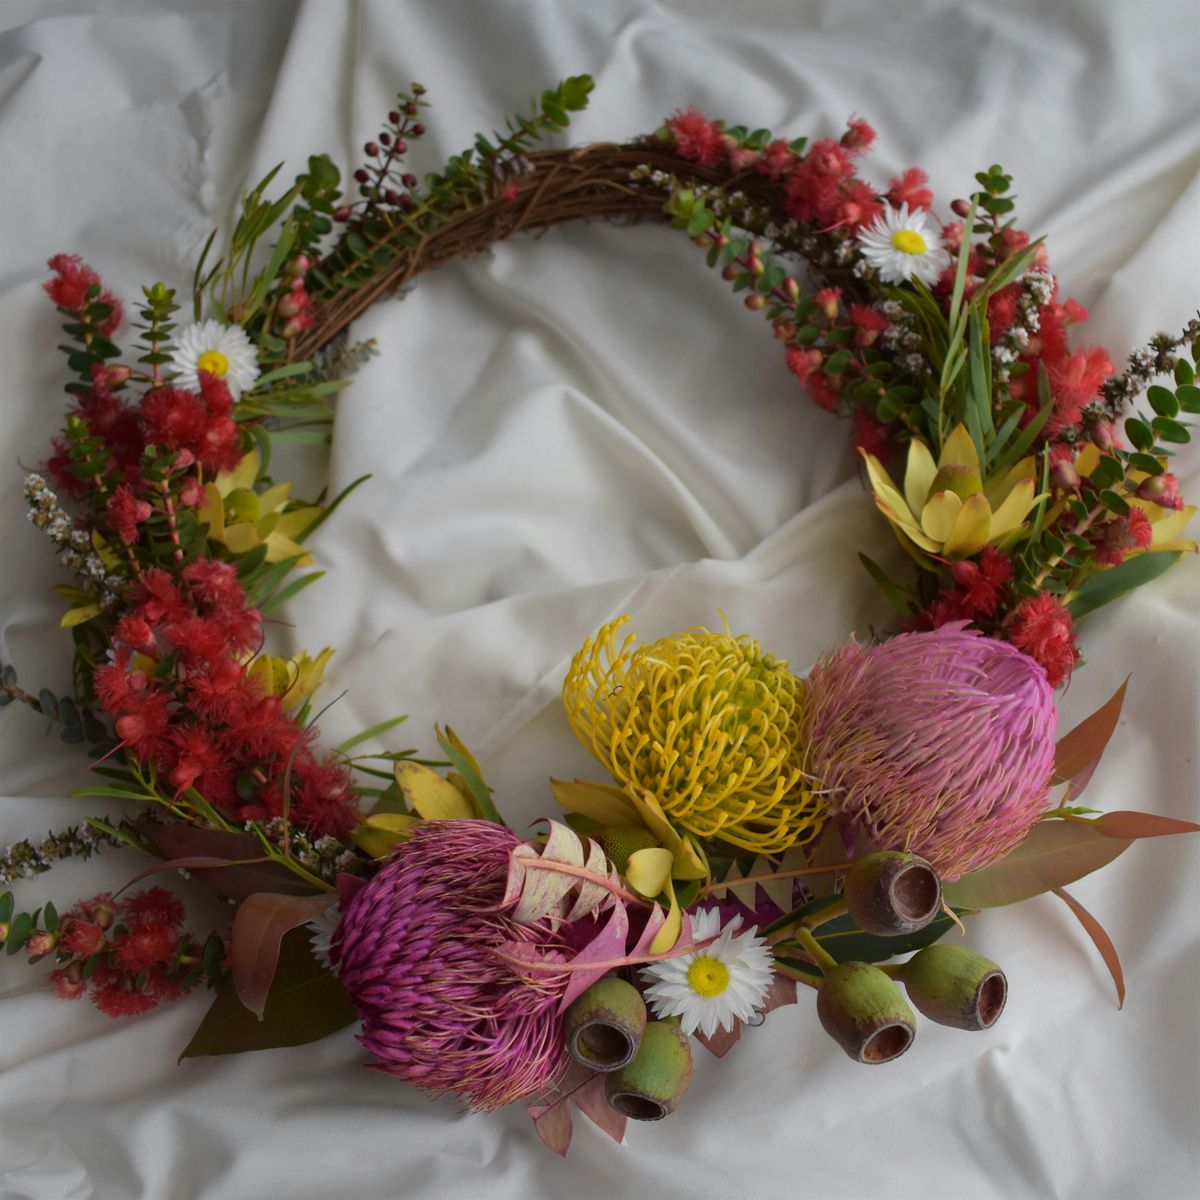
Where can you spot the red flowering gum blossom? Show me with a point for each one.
(69, 290)
(1043, 629)
(697, 138)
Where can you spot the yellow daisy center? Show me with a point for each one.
(909, 241)
(214, 362)
(708, 976)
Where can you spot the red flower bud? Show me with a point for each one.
(342, 214)
(1162, 490)
(401, 146)
(960, 208)
(371, 150)
(408, 179)
(417, 130)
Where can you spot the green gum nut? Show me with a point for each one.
(955, 986)
(891, 893)
(604, 1026)
(864, 1012)
(650, 1087)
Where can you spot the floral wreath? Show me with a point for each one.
(760, 830)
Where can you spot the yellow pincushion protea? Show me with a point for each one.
(705, 723)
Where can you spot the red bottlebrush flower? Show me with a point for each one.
(149, 942)
(216, 395)
(1002, 311)
(200, 763)
(219, 449)
(1074, 313)
(144, 728)
(112, 682)
(1075, 383)
(81, 937)
(1043, 629)
(154, 903)
(162, 986)
(156, 596)
(868, 323)
(126, 512)
(192, 493)
(980, 584)
(1122, 534)
(857, 205)
(215, 582)
(858, 136)
(802, 363)
(822, 392)
(870, 434)
(134, 631)
(697, 138)
(813, 188)
(68, 982)
(322, 798)
(70, 289)
(99, 910)
(1012, 241)
(777, 160)
(173, 417)
(199, 639)
(1162, 490)
(114, 995)
(910, 188)
(220, 691)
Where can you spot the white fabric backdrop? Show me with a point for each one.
(564, 431)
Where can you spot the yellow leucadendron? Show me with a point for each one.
(946, 507)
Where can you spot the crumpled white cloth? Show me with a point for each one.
(572, 428)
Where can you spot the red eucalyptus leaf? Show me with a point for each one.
(236, 882)
(1128, 824)
(609, 943)
(1054, 854)
(1079, 751)
(195, 862)
(258, 927)
(553, 1125)
(1103, 942)
(721, 1042)
(595, 1106)
(781, 992)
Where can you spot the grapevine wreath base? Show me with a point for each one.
(758, 835)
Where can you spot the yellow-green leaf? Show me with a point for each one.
(649, 869)
(429, 794)
(77, 616)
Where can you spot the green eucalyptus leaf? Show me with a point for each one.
(306, 1002)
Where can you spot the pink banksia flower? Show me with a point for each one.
(940, 743)
(416, 949)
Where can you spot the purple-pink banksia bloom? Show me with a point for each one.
(940, 743)
(415, 950)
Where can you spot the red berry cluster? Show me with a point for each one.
(383, 181)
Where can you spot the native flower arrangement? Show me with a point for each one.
(758, 830)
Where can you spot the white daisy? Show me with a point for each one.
(321, 931)
(904, 245)
(715, 987)
(222, 350)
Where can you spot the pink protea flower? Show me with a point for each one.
(941, 743)
(416, 951)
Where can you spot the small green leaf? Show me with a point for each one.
(1139, 433)
(1171, 431)
(367, 734)
(1115, 581)
(18, 932)
(1163, 401)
